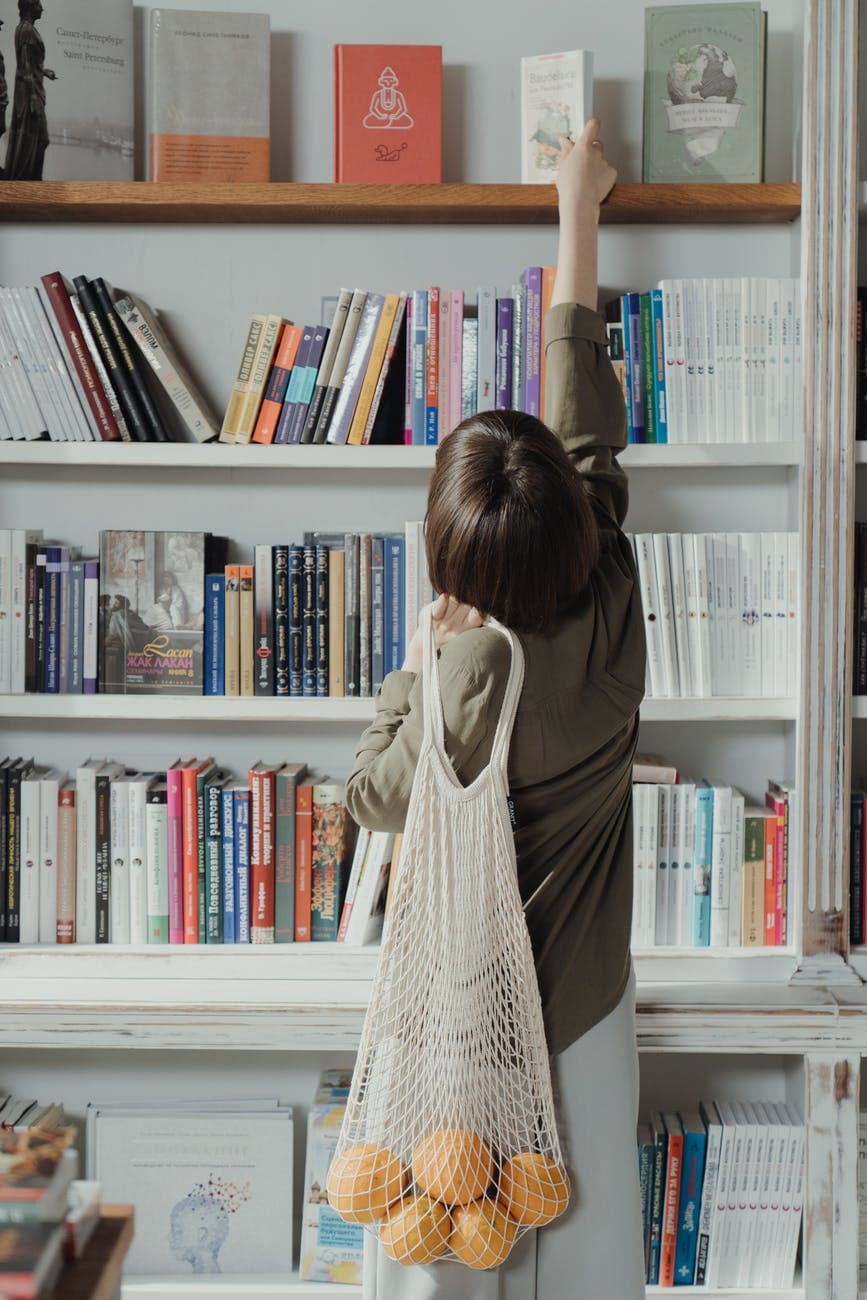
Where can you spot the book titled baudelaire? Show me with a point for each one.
(70, 86)
(556, 101)
(704, 93)
(208, 115)
(388, 113)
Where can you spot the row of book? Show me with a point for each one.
(710, 870)
(164, 612)
(721, 613)
(184, 853)
(722, 1194)
(710, 360)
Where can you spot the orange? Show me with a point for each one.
(533, 1188)
(453, 1166)
(483, 1234)
(363, 1182)
(416, 1231)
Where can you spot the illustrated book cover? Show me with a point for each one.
(388, 113)
(556, 101)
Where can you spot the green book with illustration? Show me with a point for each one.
(704, 93)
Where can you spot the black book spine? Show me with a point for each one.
(113, 362)
(313, 413)
(4, 844)
(861, 609)
(856, 869)
(308, 622)
(30, 678)
(13, 855)
(40, 619)
(129, 357)
(103, 856)
(296, 630)
(281, 620)
(263, 614)
(861, 363)
(322, 620)
(329, 400)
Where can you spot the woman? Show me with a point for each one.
(512, 530)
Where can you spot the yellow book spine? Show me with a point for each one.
(242, 380)
(374, 366)
(259, 374)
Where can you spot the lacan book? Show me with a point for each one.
(331, 1250)
(208, 96)
(556, 101)
(69, 80)
(704, 93)
(212, 1187)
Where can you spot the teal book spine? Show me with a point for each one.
(702, 865)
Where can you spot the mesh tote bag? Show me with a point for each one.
(449, 1146)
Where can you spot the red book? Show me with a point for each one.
(779, 806)
(303, 859)
(673, 1169)
(770, 881)
(388, 113)
(58, 298)
(262, 782)
(175, 851)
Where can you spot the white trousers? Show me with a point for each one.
(595, 1251)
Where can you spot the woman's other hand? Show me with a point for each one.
(450, 619)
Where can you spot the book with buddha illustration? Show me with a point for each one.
(388, 113)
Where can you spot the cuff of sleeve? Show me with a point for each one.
(394, 691)
(569, 320)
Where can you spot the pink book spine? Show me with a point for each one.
(174, 824)
(456, 354)
(407, 399)
(445, 423)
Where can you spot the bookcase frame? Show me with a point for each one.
(807, 1002)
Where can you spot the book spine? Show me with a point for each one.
(321, 621)
(263, 651)
(336, 616)
(29, 861)
(532, 281)
(119, 891)
(657, 1202)
(648, 394)
(486, 350)
(856, 868)
(505, 326)
(156, 831)
(469, 367)
(41, 615)
(281, 620)
(419, 366)
(227, 862)
(213, 863)
(303, 855)
(76, 627)
(296, 620)
(284, 858)
(117, 375)
(261, 857)
(240, 388)
(246, 629)
(190, 854)
(175, 854)
(308, 621)
(377, 613)
(694, 1146)
(66, 852)
(632, 342)
(31, 682)
(431, 425)
(351, 644)
(278, 383)
(721, 866)
(201, 865)
(215, 633)
(128, 358)
(308, 384)
(659, 366)
(232, 642)
(408, 372)
(669, 1218)
(364, 611)
(79, 355)
(286, 419)
(65, 616)
(753, 892)
(702, 883)
(335, 334)
(770, 927)
(53, 618)
(708, 1202)
(328, 862)
(261, 368)
(138, 891)
(778, 807)
(85, 855)
(242, 865)
(102, 879)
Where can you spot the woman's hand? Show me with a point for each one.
(450, 619)
(585, 176)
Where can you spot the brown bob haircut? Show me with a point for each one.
(509, 527)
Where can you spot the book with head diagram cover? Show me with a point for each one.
(388, 113)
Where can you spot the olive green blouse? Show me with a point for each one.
(570, 764)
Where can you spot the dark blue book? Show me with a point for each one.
(215, 634)
(657, 1197)
(377, 613)
(691, 1179)
(308, 621)
(307, 382)
(213, 836)
(241, 829)
(320, 629)
(631, 305)
(227, 874)
(281, 620)
(53, 615)
(296, 621)
(395, 589)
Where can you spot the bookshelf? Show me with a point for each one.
(787, 1024)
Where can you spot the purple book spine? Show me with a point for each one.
(308, 383)
(505, 332)
(532, 278)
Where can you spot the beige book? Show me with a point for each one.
(336, 570)
(246, 629)
(259, 375)
(241, 386)
(232, 633)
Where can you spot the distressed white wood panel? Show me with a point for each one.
(831, 1205)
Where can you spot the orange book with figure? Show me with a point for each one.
(388, 113)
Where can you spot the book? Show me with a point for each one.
(388, 113)
(246, 629)
(31, 1256)
(286, 781)
(704, 93)
(66, 865)
(208, 96)
(263, 615)
(232, 643)
(332, 841)
(331, 1250)
(556, 101)
(262, 780)
(694, 1152)
(157, 872)
(339, 366)
(241, 862)
(82, 81)
(303, 857)
(215, 634)
(673, 1174)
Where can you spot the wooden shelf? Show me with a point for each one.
(210, 709)
(328, 204)
(217, 456)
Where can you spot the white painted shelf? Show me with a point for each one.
(225, 1287)
(271, 709)
(726, 1293)
(219, 456)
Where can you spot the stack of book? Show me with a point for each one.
(710, 360)
(722, 1193)
(46, 1214)
(721, 613)
(710, 870)
(331, 1249)
(184, 853)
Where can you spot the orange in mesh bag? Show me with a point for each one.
(449, 1146)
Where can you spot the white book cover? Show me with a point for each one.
(707, 304)
(91, 431)
(792, 621)
(717, 575)
(637, 932)
(212, 1192)
(745, 308)
(651, 841)
(798, 398)
(85, 851)
(707, 1205)
(793, 1217)
(768, 613)
(737, 870)
(663, 881)
(787, 1196)
(79, 62)
(29, 420)
(486, 385)
(35, 371)
(686, 835)
(666, 616)
(556, 101)
(157, 869)
(750, 609)
(675, 360)
(758, 1255)
(680, 608)
(719, 1210)
(721, 858)
(694, 407)
(650, 602)
(48, 796)
(786, 1152)
(28, 892)
(90, 630)
(728, 1240)
(697, 672)
(41, 372)
(675, 873)
(703, 553)
(740, 433)
(773, 311)
(781, 631)
(67, 377)
(720, 360)
(789, 289)
(119, 873)
(760, 302)
(362, 841)
(138, 857)
(750, 1213)
(735, 650)
(375, 859)
(737, 1228)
